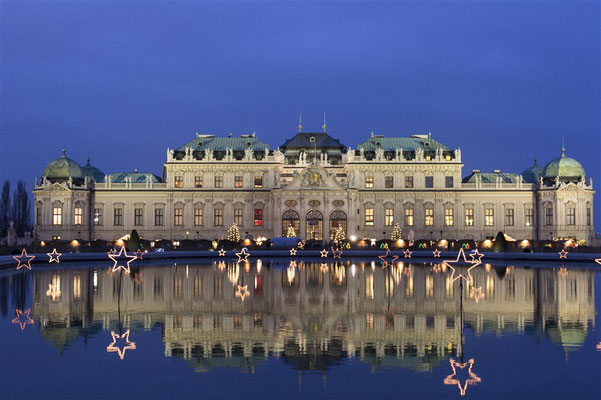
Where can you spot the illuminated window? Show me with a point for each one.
(469, 217)
(178, 216)
(198, 181)
(138, 216)
(389, 182)
(489, 216)
(218, 217)
(571, 216)
(409, 216)
(429, 216)
(429, 182)
(118, 216)
(448, 182)
(369, 286)
(369, 216)
(529, 216)
(449, 217)
(78, 215)
(408, 182)
(238, 181)
(198, 216)
(238, 216)
(429, 286)
(98, 216)
(218, 181)
(389, 217)
(179, 181)
(258, 217)
(548, 215)
(57, 215)
(369, 181)
(258, 181)
(509, 217)
(158, 217)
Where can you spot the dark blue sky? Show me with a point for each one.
(122, 81)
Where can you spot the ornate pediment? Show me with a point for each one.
(314, 178)
(570, 187)
(56, 187)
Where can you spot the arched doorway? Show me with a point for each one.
(337, 220)
(314, 225)
(290, 219)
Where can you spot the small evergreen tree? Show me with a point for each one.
(500, 243)
(338, 235)
(396, 233)
(290, 232)
(233, 233)
(134, 243)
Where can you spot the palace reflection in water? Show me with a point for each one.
(313, 315)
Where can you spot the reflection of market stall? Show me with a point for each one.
(310, 316)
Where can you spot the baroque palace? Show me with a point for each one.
(315, 184)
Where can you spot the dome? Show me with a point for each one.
(92, 172)
(564, 168)
(533, 173)
(62, 169)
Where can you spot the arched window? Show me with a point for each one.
(290, 219)
(314, 225)
(337, 220)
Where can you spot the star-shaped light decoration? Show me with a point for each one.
(125, 344)
(324, 267)
(563, 272)
(242, 292)
(476, 256)
(54, 256)
(598, 261)
(461, 254)
(476, 293)
(563, 253)
(221, 252)
(324, 253)
(407, 253)
(23, 260)
(337, 253)
(111, 251)
(139, 254)
(117, 258)
(385, 257)
(243, 255)
(599, 346)
(292, 252)
(452, 379)
(436, 253)
(300, 245)
(22, 318)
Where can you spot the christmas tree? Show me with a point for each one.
(396, 233)
(290, 232)
(338, 235)
(233, 233)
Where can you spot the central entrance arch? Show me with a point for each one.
(314, 225)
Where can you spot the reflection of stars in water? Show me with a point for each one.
(454, 276)
(324, 267)
(117, 258)
(139, 254)
(23, 260)
(124, 344)
(385, 257)
(292, 264)
(243, 255)
(324, 253)
(452, 379)
(337, 253)
(22, 318)
(242, 292)
(476, 293)
(221, 265)
(563, 253)
(563, 272)
(476, 254)
(599, 346)
(407, 253)
(292, 252)
(436, 253)
(437, 268)
(54, 256)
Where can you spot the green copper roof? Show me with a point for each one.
(405, 143)
(491, 177)
(62, 169)
(563, 167)
(136, 177)
(92, 172)
(533, 173)
(223, 143)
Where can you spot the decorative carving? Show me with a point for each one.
(313, 178)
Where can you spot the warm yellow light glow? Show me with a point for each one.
(74, 243)
(121, 351)
(563, 253)
(242, 292)
(243, 255)
(246, 242)
(42, 243)
(214, 243)
(120, 242)
(487, 244)
(353, 238)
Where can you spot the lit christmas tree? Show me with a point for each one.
(233, 233)
(290, 232)
(396, 233)
(338, 235)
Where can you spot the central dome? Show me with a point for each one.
(92, 172)
(565, 168)
(63, 168)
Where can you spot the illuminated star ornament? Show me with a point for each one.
(454, 277)
(243, 255)
(324, 267)
(292, 252)
(221, 252)
(111, 251)
(242, 292)
(337, 253)
(476, 254)
(476, 293)
(598, 261)
(23, 260)
(22, 318)
(563, 253)
(54, 256)
(118, 263)
(385, 257)
(324, 253)
(139, 254)
(436, 253)
(407, 253)
(124, 344)
(452, 379)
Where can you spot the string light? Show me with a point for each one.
(563, 254)
(452, 380)
(115, 257)
(243, 255)
(324, 253)
(436, 253)
(23, 260)
(221, 252)
(54, 256)
(129, 345)
(292, 252)
(22, 318)
(407, 253)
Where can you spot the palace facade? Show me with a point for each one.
(314, 184)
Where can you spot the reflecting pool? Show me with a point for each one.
(300, 329)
